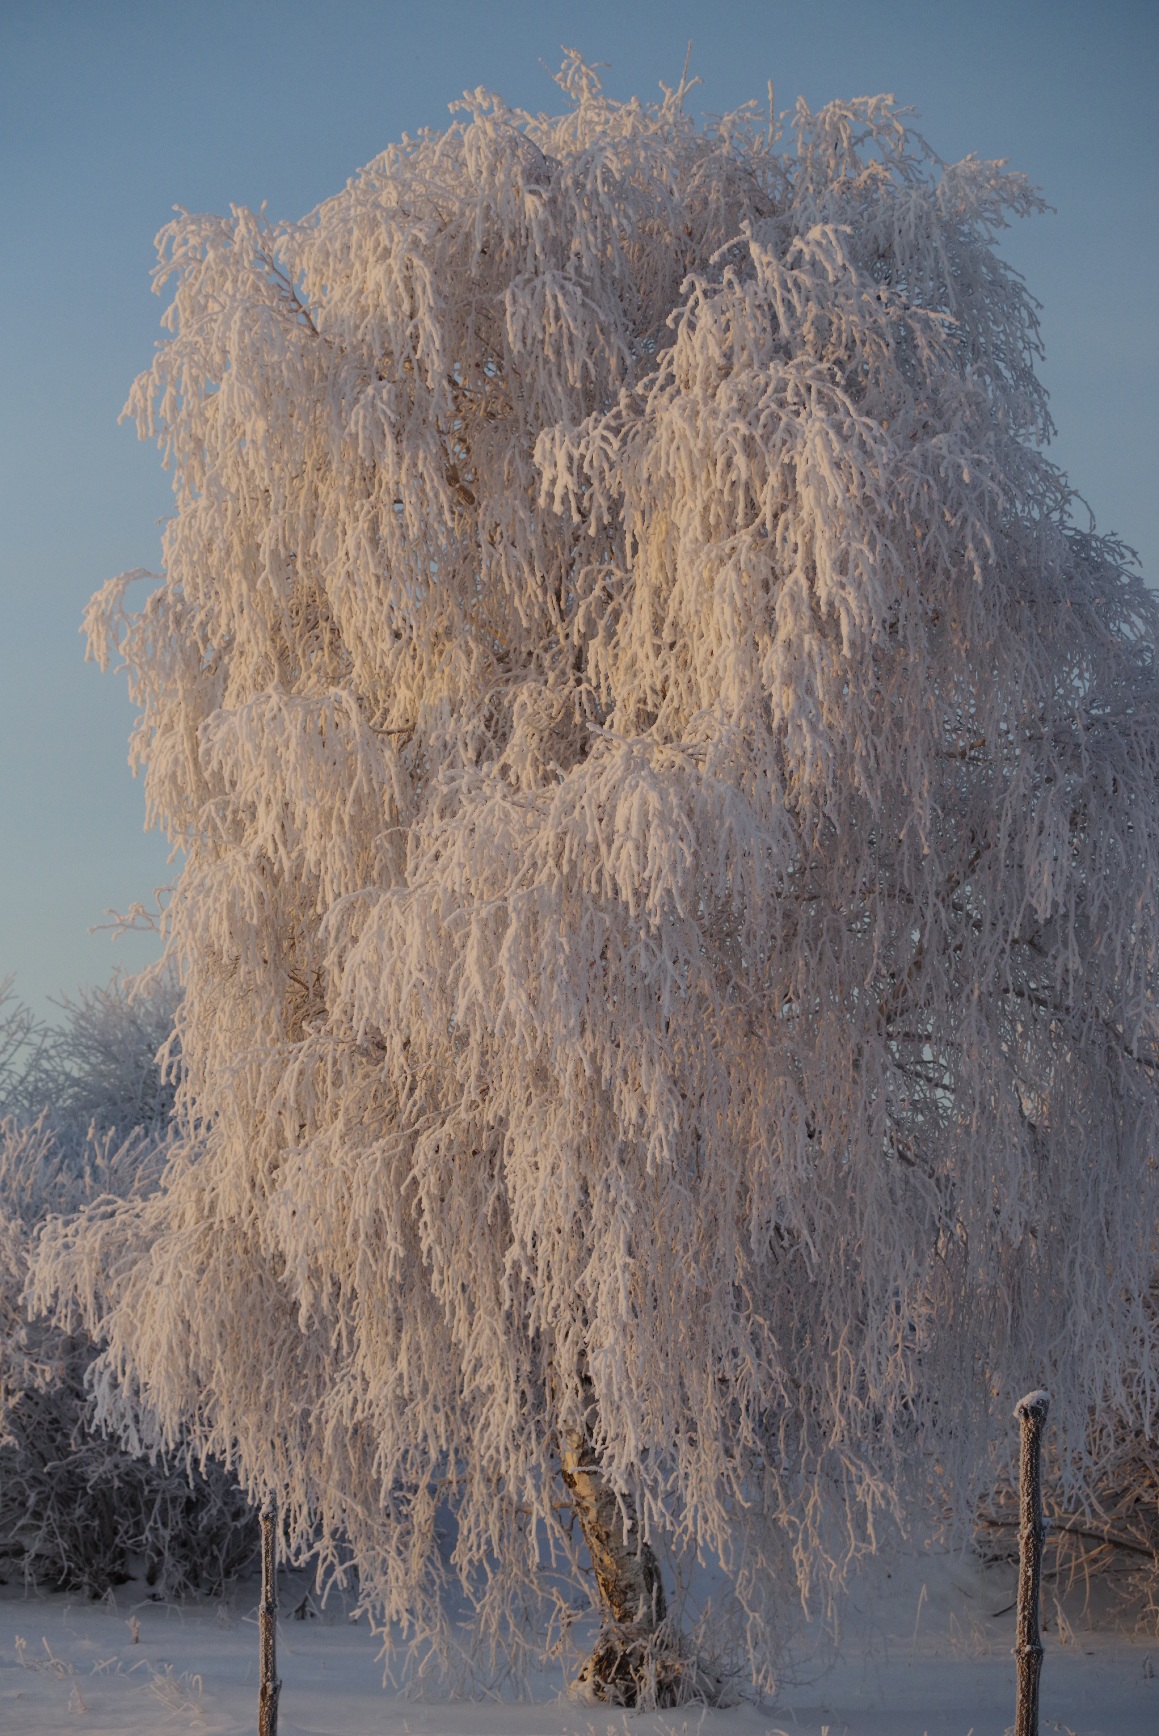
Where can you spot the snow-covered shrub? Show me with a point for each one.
(20, 1035)
(669, 808)
(1103, 1527)
(78, 1510)
(109, 1064)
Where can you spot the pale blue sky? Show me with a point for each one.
(113, 111)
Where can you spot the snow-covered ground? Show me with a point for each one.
(921, 1653)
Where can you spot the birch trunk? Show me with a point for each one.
(627, 1665)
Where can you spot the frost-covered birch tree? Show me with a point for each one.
(668, 904)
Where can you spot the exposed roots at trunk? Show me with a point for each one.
(646, 1670)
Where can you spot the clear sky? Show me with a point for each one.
(112, 111)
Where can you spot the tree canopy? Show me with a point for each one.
(667, 798)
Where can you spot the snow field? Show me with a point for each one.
(921, 1653)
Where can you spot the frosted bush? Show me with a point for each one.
(1102, 1527)
(78, 1510)
(668, 802)
(20, 1036)
(110, 1063)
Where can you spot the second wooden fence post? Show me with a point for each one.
(1031, 1413)
(268, 1626)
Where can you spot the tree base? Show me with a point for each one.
(645, 1670)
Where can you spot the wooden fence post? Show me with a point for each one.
(1031, 1413)
(268, 1626)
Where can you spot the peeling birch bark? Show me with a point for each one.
(626, 1569)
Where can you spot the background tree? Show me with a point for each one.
(84, 1116)
(668, 917)
(109, 1066)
